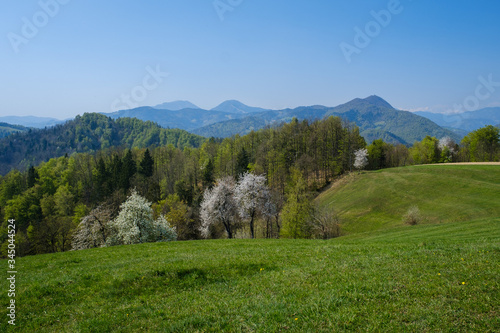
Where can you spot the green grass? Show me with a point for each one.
(383, 277)
(444, 193)
(405, 279)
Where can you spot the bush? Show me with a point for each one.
(325, 223)
(412, 216)
(134, 224)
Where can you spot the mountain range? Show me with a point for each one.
(31, 121)
(466, 121)
(375, 117)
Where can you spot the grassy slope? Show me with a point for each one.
(375, 200)
(440, 277)
(405, 279)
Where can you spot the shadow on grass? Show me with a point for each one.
(136, 284)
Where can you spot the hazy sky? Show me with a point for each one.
(66, 57)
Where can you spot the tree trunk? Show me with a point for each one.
(251, 224)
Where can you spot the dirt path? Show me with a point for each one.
(468, 163)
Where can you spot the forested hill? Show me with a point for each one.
(8, 129)
(88, 133)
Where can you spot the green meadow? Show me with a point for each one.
(383, 276)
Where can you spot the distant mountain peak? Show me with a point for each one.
(176, 106)
(378, 101)
(234, 106)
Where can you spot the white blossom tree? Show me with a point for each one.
(134, 224)
(219, 206)
(93, 229)
(361, 158)
(448, 148)
(253, 198)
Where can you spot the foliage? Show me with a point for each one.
(426, 152)
(146, 167)
(482, 145)
(88, 133)
(297, 210)
(51, 198)
(8, 129)
(180, 216)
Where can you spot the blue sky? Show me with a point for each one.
(88, 56)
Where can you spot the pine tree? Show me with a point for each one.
(32, 176)
(129, 169)
(242, 161)
(147, 164)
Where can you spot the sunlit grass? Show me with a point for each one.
(376, 200)
(411, 278)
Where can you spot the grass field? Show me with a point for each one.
(424, 278)
(443, 193)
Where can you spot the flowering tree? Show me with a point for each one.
(219, 206)
(253, 198)
(134, 224)
(93, 229)
(448, 149)
(361, 158)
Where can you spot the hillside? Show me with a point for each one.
(233, 106)
(31, 121)
(373, 113)
(410, 279)
(176, 106)
(466, 121)
(443, 193)
(375, 117)
(8, 129)
(228, 128)
(87, 133)
(186, 119)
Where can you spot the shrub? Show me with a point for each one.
(412, 216)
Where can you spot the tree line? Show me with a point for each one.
(50, 201)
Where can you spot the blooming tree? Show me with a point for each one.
(134, 224)
(448, 148)
(219, 206)
(361, 158)
(93, 229)
(253, 198)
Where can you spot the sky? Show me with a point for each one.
(61, 58)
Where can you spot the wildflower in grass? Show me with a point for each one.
(296, 318)
(439, 273)
(463, 282)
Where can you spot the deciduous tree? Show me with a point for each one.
(253, 198)
(219, 206)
